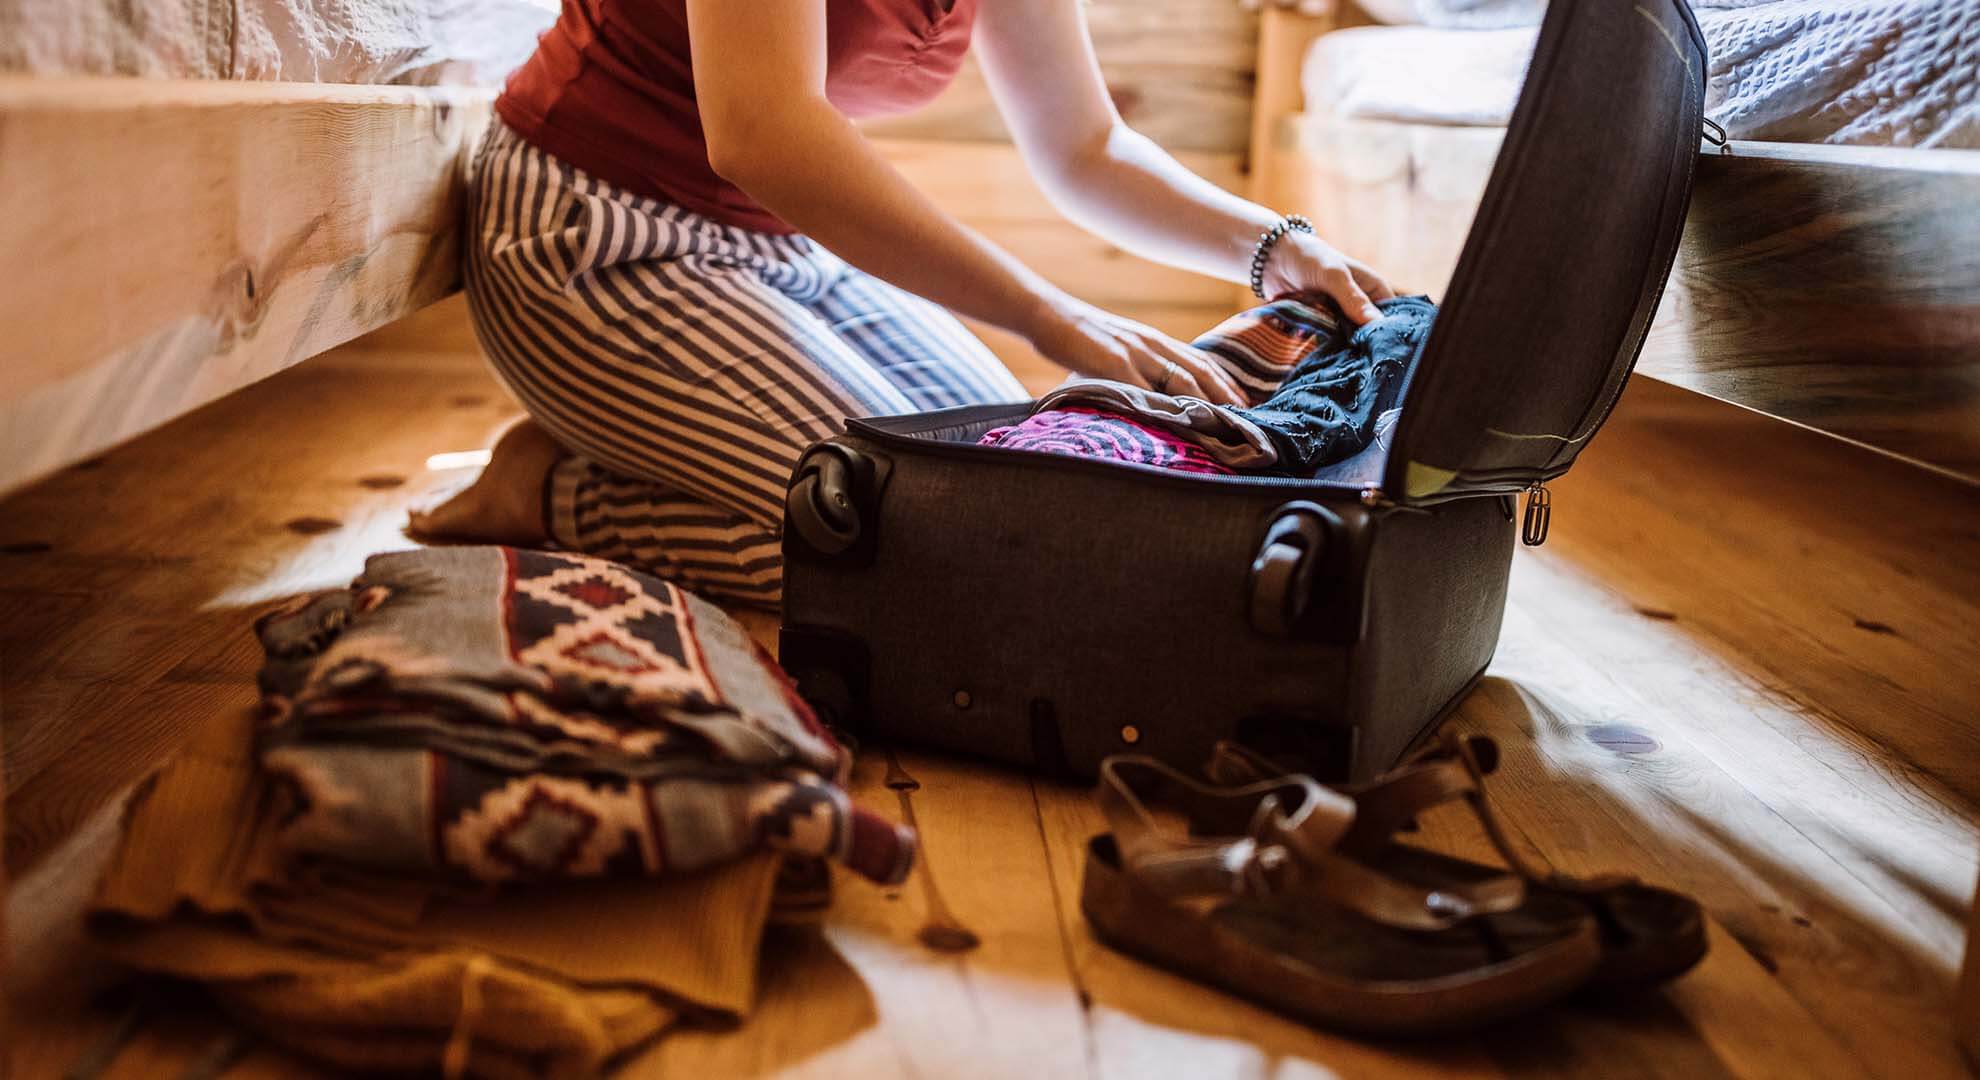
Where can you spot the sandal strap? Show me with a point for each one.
(1393, 802)
(1453, 767)
(1291, 827)
(1478, 756)
(1236, 834)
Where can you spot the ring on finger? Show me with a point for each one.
(1170, 369)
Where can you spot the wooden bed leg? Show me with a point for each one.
(1285, 29)
(6, 1043)
(1284, 32)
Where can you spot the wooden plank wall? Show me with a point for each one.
(168, 242)
(1181, 72)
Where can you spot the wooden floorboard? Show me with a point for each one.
(1742, 666)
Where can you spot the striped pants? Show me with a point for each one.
(687, 364)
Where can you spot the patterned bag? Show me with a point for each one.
(502, 715)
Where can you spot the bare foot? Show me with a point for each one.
(504, 505)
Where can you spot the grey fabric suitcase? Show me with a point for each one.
(1049, 611)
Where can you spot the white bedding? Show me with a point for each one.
(1877, 72)
(353, 41)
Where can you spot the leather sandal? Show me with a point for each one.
(1259, 899)
(1648, 934)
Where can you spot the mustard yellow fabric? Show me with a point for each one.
(375, 973)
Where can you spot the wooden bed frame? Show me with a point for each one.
(1834, 287)
(170, 241)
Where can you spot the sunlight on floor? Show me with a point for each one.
(327, 561)
(457, 459)
(1715, 761)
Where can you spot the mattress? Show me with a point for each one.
(475, 42)
(1881, 72)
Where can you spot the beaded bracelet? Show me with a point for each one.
(1263, 249)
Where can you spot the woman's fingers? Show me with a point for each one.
(1150, 370)
(1220, 388)
(1180, 381)
(1339, 283)
(1214, 383)
(1308, 265)
(1371, 282)
(1168, 366)
(1163, 375)
(1210, 381)
(1122, 349)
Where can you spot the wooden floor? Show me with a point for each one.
(1743, 665)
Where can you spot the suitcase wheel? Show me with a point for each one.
(1282, 574)
(1277, 601)
(825, 690)
(821, 506)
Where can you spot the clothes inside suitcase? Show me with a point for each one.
(1048, 611)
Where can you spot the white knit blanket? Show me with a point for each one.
(1874, 72)
(1884, 72)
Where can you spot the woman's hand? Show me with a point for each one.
(1303, 264)
(1088, 341)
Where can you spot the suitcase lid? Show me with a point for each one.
(1566, 258)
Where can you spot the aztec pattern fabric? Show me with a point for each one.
(1084, 432)
(1342, 381)
(499, 715)
(1270, 340)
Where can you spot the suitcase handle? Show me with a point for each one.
(1295, 544)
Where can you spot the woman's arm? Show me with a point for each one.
(759, 77)
(1039, 61)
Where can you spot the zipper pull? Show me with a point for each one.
(1539, 514)
(1715, 134)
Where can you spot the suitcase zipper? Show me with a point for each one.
(1371, 495)
(856, 426)
(1539, 515)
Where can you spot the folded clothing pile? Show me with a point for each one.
(1094, 419)
(1321, 390)
(466, 718)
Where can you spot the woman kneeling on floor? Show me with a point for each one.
(689, 265)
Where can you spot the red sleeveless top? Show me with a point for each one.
(610, 89)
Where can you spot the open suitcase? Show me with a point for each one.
(1049, 610)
